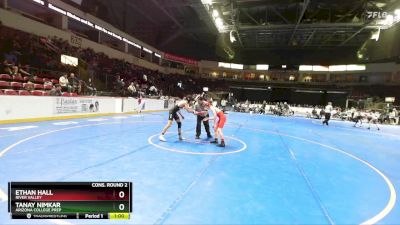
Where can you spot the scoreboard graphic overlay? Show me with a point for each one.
(70, 200)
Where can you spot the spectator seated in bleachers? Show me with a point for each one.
(132, 90)
(64, 83)
(24, 70)
(75, 83)
(153, 90)
(20, 48)
(55, 91)
(119, 85)
(6, 67)
(90, 88)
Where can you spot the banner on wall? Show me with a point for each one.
(180, 59)
(76, 105)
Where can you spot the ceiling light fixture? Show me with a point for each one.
(219, 23)
(376, 34)
(232, 37)
(206, 2)
(215, 13)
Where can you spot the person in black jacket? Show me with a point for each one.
(91, 88)
(202, 113)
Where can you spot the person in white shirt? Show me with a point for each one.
(132, 89)
(374, 115)
(64, 83)
(357, 118)
(350, 113)
(223, 104)
(393, 116)
(141, 104)
(267, 109)
(328, 111)
(396, 116)
(153, 90)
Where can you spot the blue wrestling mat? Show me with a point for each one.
(274, 170)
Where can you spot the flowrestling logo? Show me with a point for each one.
(383, 19)
(376, 15)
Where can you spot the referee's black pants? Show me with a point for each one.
(198, 126)
(327, 118)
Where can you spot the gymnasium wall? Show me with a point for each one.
(35, 107)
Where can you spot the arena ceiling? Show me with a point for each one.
(170, 25)
(260, 26)
(300, 23)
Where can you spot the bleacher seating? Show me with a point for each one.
(38, 86)
(5, 77)
(101, 67)
(27, 86)
(47, 58)
(23, 92)
(37, 93)
(10, 92)
(17, 78)
(4, 84)
(16, 85)
(38, 80)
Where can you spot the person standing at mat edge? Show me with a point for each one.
(328, 111)
(141, 104)
(218, 125)
(202, 113)
(173, 115)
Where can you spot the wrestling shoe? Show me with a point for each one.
(197, 137)
(162, 138)
(221, 145)
(214, 142)
(181, 138)
(209, 136)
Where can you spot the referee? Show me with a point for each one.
(200, 108)
(328, 111)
